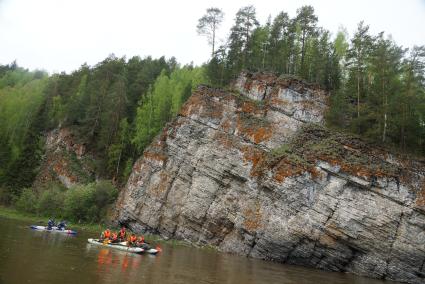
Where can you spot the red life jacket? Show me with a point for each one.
(122, 233)
(114, 236)
(133, 239)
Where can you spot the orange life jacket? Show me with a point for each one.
(133, 239)
(107, 234)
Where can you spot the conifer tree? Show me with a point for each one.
(306, 21)
(208, 25)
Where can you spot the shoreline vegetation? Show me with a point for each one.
(95, 228)
(12, 213)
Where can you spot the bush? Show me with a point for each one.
(78, 202)
(27, 202)
(105, 193)
(7, 196)
(51, 201)
(89, 202)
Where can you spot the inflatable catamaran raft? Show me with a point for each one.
(54, 229)
(123, 246)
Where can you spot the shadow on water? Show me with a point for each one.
(28, 256)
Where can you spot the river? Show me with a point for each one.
(28, 256)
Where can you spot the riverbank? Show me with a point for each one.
(12, 213)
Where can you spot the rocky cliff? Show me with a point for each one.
(65, 161)
(253, 171)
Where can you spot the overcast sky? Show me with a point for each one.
(59, 35)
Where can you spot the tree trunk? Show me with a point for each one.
(213, 41)
(302, 53)
(119, 159)
(358, 93)
(385, 103)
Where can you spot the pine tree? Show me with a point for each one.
(306, 21)
(208, 25)
(357, 62)
(279, 43)
(239, 39)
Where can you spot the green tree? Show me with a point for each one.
(385, 68)
(280, 41)
(208, 25)
(411, 106)
(163, 101)
(357, 61)
(306, 21)
(239, 39)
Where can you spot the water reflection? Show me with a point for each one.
(113, 266)
(188, 265)
(28, 256)
(50, 238)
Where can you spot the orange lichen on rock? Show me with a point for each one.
(213, 110)
(253, 218)
(138, 165)
(257, 133)
(274, 101)
(354, 169)
(226, 125)
(254, 156)
(287, 169)
(155, 156)
(261, 87)
(315, 174)
(205, 105)
(248, 107)
(202, 99)
(191, 105)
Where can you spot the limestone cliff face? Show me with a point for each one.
(253, 172)
(65, 161)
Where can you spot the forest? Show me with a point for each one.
(116, 107)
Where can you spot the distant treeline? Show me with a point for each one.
(115, 108)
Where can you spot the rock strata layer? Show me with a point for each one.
(254, 172)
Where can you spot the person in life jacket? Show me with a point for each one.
(62, 225)
(122, 234)
(114, 238)
(50, 224)
(140, 241)
(132, 240)
(106, 235)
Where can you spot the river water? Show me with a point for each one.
(28, 256)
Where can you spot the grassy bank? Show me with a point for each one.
(12, 213)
